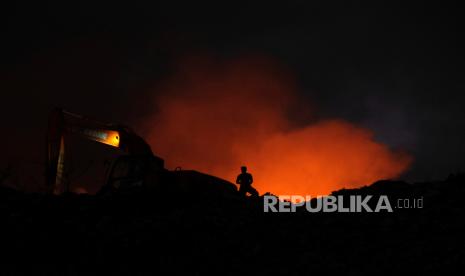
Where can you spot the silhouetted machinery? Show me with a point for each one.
(135, 167)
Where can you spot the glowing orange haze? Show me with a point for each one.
(215, 117)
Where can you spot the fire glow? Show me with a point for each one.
(216, 116)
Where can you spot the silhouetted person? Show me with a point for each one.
(245, 181)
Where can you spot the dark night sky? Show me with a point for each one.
(396, 69)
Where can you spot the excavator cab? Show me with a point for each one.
(131, 172)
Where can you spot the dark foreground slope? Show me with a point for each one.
(147, 233)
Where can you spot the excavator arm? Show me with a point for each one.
(63, 123)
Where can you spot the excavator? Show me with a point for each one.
(136, 167)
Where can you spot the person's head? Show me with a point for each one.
(243, 169)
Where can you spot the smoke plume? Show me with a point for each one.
(214, 116)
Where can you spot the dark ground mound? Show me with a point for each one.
(146, 233)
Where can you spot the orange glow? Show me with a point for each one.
(216, 117)
(112, 138)
(108, 137)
